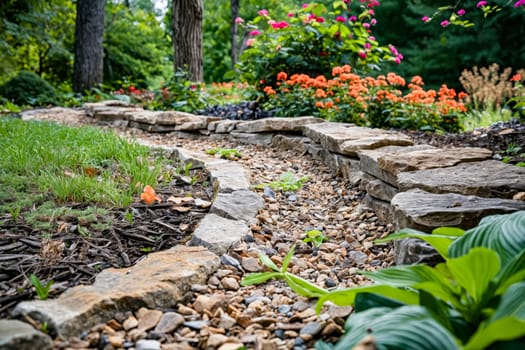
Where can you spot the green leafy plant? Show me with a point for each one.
(225, 153)
(41, 290)
(315, 237)
(128, 216)
(185, 169)
(27, 88)
(470, 301)
(287, 182)
(296, 283)
(15, 213)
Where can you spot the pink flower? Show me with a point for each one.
(367, 45)
(425, 19)
(352, 18)
(373, 3)
(239, 20)
(255, 32)
(372, 38)
(362, 54)
(263, 12)
(481, 4)
(319, 19)
(373, 21)
(366, 25)
(250, 41)
(280, 25)
(340, 19)
(444, 23)
(290, 14)
(371, 12)
(519, 3)
(397, 60)
(304, 6)
(461, 12)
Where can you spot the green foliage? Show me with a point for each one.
(311, 40)
(287, 182)
(29, 89)
(296, 283)
(225, 153)
(465, 303)
(315, 237)
(41, 290)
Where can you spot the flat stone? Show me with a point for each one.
(237, 205)
(210, 303)
(411, 251)
(348, 139)
(158, 281)
(114, 113)
(230, 283)
(179, 120)
(91, 107)
(369, 160)
(252, 138)
(431, 158)
(489, 178)
(146, 344)
(218, 234)
(151, 127)
(223, 126)
(19, 335)
(147, 319)
(348, 167)
(290, 143)
(381, 190)
(383, 209)
(277, 124)
(425, 211)
(228, 177)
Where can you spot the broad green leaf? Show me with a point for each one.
(287, 259)
(303, 287)
(437, 308)
(505, 234)
(512, 273)
(448, 231)
(440, 242)
(259, 277)
(512, 303)
(474, 271)
(403, 276)
(346, 297)
(364, 301)
(407, 328)
(268, 262)
(507, 328)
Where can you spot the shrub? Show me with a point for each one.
(382, 102)
(311, 40)
(27, 88)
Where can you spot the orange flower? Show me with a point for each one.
(320, 93)
(269, 90)
(417, 80)
(319, 104)
(516, 77)
(149, 196)
(282, 76)
(462, 95)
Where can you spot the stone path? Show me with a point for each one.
(416, 186)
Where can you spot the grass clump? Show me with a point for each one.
(225, 153)
(42, 161)
(287, 182)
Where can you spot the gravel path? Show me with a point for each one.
(223, 315)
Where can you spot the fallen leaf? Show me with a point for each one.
(180, 209)
(180, 200)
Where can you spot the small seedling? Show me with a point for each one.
(512, 149)
(297, 284)
(225, 153)
(41, 290)
(129, 217)
(15, 213)
(287, 182)
(185, 169)
(315, 237)
(194, 180)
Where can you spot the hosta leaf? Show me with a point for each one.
(440, 242)
(406, 328)
(512, 303)
(365, 301)
(507, 328)
(403, 276)
(346, 297)
(448, 231)
(475, 270)
(505, 234)
(512, 273)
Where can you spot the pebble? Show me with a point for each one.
(146, 344)
(169, 322)
(148, 318)
(230, 283)
(197, 325)
(251, 264)
(130, 322)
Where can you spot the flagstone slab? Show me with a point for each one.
(369, 160)
(348, 139)
(92, 107)
(489, 178)
(18, 335)
(238, 205)
(180, 120)
(223, 126)
(261, 139)
(158, 281)
(425, 211)
(277, 124)
(431, 158)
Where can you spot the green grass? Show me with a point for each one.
(41, 161)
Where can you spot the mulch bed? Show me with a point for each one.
(69, 257)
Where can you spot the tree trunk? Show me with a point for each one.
(89, 49)
(187, 37)
(235, 14)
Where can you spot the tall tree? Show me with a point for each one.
(187, 37)
(89, 49)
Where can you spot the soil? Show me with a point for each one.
(70, 256)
